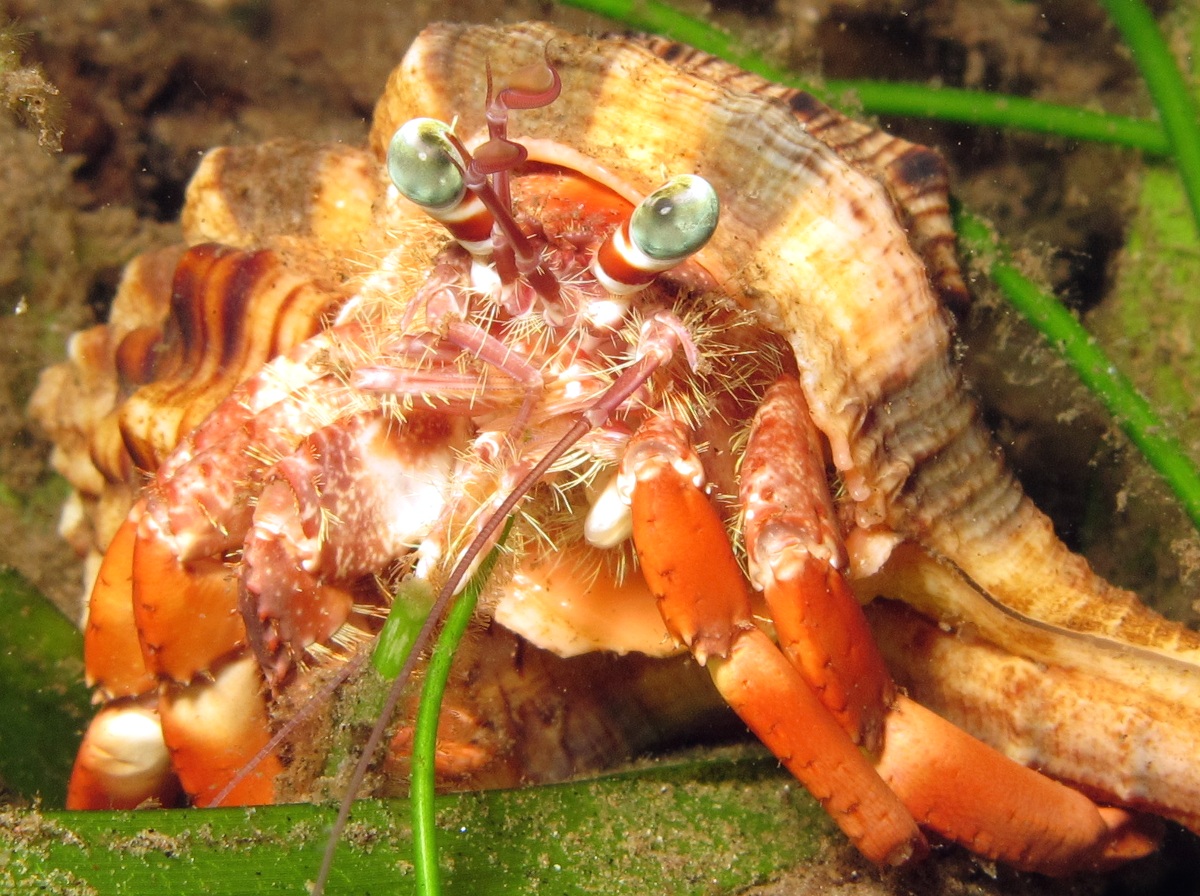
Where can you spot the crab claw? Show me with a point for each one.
(350, 499)
(123, 762)
(217, 731)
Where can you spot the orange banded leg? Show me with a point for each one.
(950, 782)
(706, 606)
(796, 556)
(122, 761)
(213, 712)
(154, 624)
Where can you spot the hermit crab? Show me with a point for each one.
(651, 307)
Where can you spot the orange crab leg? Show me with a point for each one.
(123, 762)
(962, 788)
(211, 727)
(951, 782)
(795, 555)
(112, 654)
(706, 606)
(215, 728)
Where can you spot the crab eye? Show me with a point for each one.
(427, 169)
(676, 220)
(425, 166)
(671, 224)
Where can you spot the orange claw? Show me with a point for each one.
(112, 653)
(706, 606)
(215, 729)
(170, 596)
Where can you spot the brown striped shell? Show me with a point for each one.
(275, 232)
(834, 234)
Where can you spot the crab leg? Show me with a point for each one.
(214, 727)
(951, 782)
(351, 498)
(210, 725)
(966, 791)
(123, 761)
(795, 555)
(706, 606)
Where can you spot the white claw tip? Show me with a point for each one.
(609, 521)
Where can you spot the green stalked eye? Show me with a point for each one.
(425, 166)
(675, 220)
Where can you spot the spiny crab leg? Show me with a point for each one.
(706, 606)
(214, 728)
(958, 786)
(351, 498)
(811, 707)
(796, 556)
(211, 725)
